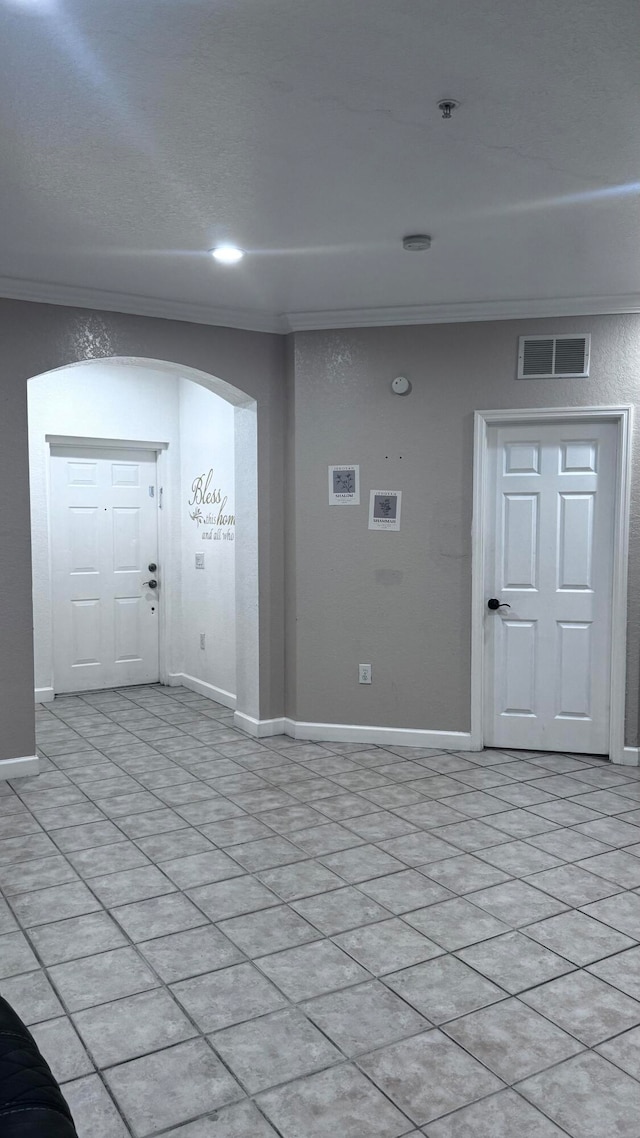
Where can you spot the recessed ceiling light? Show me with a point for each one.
(227, 254)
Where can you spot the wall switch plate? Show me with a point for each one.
(364, 673)
(199, 560)
(202, 641)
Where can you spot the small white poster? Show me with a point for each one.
(384, 509)
(344, 485)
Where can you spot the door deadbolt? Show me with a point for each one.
(152, 567)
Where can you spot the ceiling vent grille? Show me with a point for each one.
(553, 357)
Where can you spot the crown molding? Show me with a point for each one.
(463, 312)
(14, 288)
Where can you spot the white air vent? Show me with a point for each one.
(553, 357)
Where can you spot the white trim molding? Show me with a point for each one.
(354, 733)
(630, 757)
(209, 691)
(382, 736)
(28, 765)
(260, 728)
(84, 441)
(622, 416)
(104, 300)
(44, 695)
(463, 312)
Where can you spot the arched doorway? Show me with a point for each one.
(102, 430)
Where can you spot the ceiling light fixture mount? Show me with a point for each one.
(227, 254)
(448, 106)
(416, 242)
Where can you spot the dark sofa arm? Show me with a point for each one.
(31, 1103)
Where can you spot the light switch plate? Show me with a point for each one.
(199, 560)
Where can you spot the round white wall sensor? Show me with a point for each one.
(400, 385)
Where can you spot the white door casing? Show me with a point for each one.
(104, 535)
(550, 538)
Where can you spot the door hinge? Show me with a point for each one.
(160, 498)
(152, 491)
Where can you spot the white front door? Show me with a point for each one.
(549, 535)
(104, 537)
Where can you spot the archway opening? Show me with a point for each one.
(178, 447)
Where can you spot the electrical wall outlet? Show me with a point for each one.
(202, 641)
(364, 673)
(199, 560)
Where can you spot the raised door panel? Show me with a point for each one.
(126, 539)
(83, 540)
(575, 545)
(579, 456)
(85, 632)
(522, 458)
(125, 474)
(573, 677)
(520, 542)
(81, 473)
(127, 638)
(519, 652)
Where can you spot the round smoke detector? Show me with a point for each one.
(416, 242)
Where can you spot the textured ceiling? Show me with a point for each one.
(135, 134)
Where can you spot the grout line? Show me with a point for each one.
(289, 836)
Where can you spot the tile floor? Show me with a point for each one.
(213, 937)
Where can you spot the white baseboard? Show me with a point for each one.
(630, 757)
(209, 691)
(260, 728)
(381, 736)
(354, 733)
(19, 768)
(44, 695)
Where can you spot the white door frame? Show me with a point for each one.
(157, 448)
(622, 416)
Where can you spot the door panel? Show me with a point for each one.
(83, 539)
(549, 557)
(103, 537)
(521, 458)
(579, 457)
(127, 628)
(574, 670)
(519, 676)
(520, 541)
(85, 632)
(126, 539)
(575, 552)
(82, 473)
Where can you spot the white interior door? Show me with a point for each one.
(549, 534)
(104, 537)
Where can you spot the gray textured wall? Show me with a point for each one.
(37, 338)
(402, 601)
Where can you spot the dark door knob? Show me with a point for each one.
(153, 584)
(494, 603)
(152, 567)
